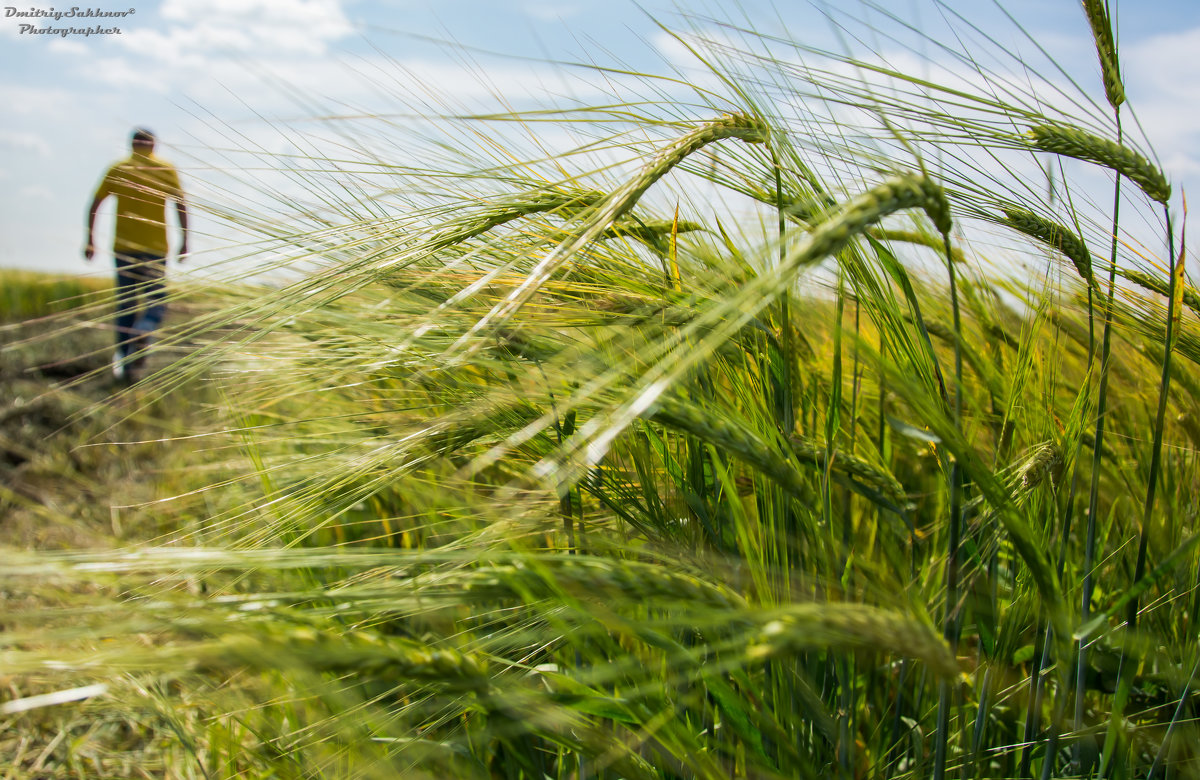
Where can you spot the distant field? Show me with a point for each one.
(26, 294)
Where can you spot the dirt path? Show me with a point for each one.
(81, 455)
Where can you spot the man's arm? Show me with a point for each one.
(175, 189)
(103, 191)
(89, 249)
(182, 215)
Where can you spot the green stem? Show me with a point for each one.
(1124, 675)
(1164, 387)
(1089, 555)
(786, 404)
(1166, 741)
(950, 626)
(1037, 683)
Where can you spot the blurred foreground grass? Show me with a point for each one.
(835, 431)
(80, 458)
(84, 464)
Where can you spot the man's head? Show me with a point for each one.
(142, 141)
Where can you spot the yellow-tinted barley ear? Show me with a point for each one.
(1179, 280)
(750, 129)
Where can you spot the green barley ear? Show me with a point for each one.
(1073, 142)
(1106, 48)
(904, 191)
(918, 239)
(745, 128)
(852, 627)
(593, 577)
(650, 230)
(359, 652)
(748, 129)
(1044, 462)
(730, 436)
(1189, 296)
(1057, 236)
(937, 206)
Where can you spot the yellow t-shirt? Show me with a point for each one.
(142, 184)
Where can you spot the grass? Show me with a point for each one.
(577, 470)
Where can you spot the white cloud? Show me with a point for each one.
(549, 11)
(52, 104)
(36, 191)
(122, 72)
(1167, 63)
(1162, 79)
(264, 28)
(28, 142)
(673, 50)
(216, 50)
(68, 46)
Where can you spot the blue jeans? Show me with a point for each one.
(140, 295)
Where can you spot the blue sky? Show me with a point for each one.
(215, 74)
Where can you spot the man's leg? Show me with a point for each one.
(155, 293)
(127, 311)
(151, 272)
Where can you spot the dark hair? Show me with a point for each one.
(142, 135)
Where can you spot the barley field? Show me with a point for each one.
(833, 421)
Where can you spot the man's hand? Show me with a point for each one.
(183, 251)
(89, 251)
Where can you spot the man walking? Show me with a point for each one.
(142, 185)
